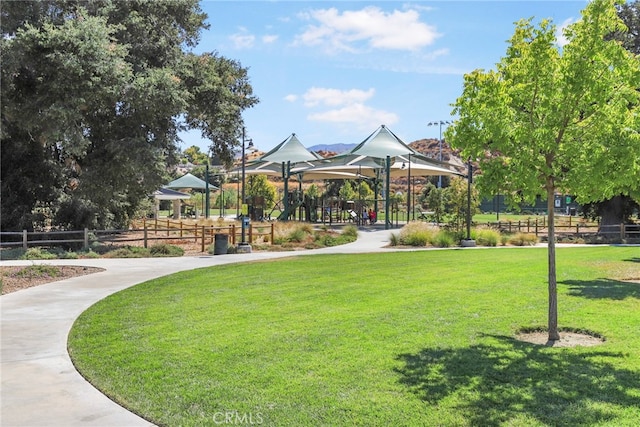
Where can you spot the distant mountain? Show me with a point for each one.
(335, 148)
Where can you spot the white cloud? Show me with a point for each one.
(243, 39)
(335, 97)
(561, 39)
(372, 27)
(269, 38)
(345, 107)
(291, 98)
(358, 114)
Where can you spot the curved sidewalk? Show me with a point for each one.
(40, 386)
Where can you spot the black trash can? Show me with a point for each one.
(220, 244)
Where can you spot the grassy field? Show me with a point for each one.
(402, 339)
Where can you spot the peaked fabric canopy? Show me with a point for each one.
(167, 194)
(382, 143)
(289, 150)
(356, 165)
(421, 166)
(190, 181)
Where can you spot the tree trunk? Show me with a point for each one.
(611, 212)
(553, 291)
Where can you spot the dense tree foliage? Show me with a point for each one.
(259, 185)
(195, 156)
(553, 118)
(93, 97)
(621, 207)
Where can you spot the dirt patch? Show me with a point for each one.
(567, 339)
(17, 278)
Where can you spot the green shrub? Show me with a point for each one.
(443, 239)
(13, 253)
(68, 255)
(37, 253)
(417, 233)
(100, 248)
(89, 254)
(487, 237)
(128, 252)
(38, 270)
(394, 239)
(350, 231)
(297, 235)
(164, 249)
(523, 239)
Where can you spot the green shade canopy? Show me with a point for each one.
(167, 194)
(421, 166)
(289, 150)
(190, 181)
(382, 143)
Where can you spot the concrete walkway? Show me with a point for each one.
(40, 386)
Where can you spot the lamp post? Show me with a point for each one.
(439, 123)
(207, 193)
(468, 242)
(242, 200)
(408, 188)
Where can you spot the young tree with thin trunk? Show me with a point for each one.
(555, 119)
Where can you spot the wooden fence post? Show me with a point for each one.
(250, 233)
(24, 240)
(86, 238)
(145, 236)
(273, 234)
(202, 248)
(622, 229)
(536, 227)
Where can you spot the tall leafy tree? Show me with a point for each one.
(456, 198)
(620, 208)
(195, 156)
(259, 185)
(550, 119)
(93, 97)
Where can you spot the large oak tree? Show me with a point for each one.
(94, 95)
(552, 119)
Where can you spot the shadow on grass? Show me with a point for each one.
(634, 259)
(603, 288)
(506, 379)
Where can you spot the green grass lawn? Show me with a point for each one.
(393, 339)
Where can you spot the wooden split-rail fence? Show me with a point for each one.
(144, 231)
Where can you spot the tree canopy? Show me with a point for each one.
(93, 97)
(553, 118)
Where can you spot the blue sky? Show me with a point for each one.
(333, 71)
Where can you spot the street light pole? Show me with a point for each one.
(439, 123)
(207, 193)
(468, 242)
(242, 200)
